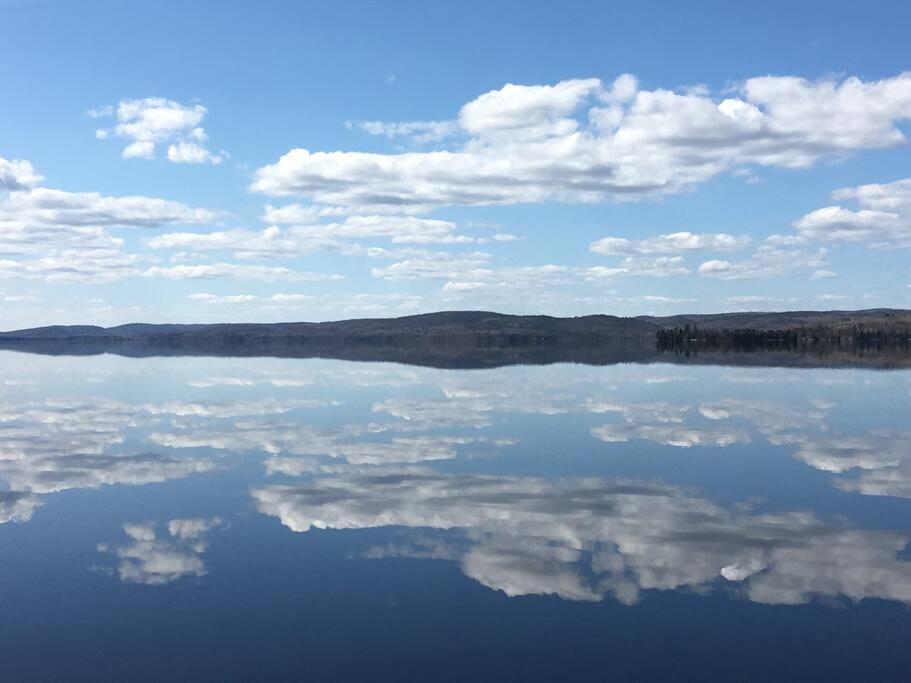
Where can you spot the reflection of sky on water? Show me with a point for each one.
(581, 482)
(583, 539)
(153, 559)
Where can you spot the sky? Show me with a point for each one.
(277, 161)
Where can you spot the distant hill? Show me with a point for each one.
(872, 317)
(447, 324)
(475, 339)
(457, 324)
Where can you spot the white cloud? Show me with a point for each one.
(405, 229)
(63, 236)
(271, 242)
(141, 149)
(80, 264)
(192, 153)
(658, 300)
(635, 266)
(278, 299)
(151, 121)
(580, 141)
(44, 206)
(527, 112)
(417, 131)
(468, 273)
(17, 174)
(895, 196)
(297, 240)
(439, 266)
(225, 299)
(750, 300)
(669, 244)
(883, 219)
(766, 262)
(463, 286)
(292, 214)
(100, 112)
(237, 272)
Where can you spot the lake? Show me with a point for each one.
(210, 518)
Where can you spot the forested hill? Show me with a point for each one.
(464, 324)
(884, 318)
(443, 324)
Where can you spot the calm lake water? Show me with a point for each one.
(242, 519)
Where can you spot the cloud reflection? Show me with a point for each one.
(154, 559)
(584, 539)
(63, 444)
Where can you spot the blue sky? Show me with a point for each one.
(310, 161)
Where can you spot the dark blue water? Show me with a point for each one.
(250, 519)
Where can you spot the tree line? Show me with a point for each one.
(745, 339)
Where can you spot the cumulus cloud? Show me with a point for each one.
(141, 149)
(298, 240)
(766, 262)
(657, 300)
(883, 219)
(637, 266)
(58, 253)
(580, 140)
(754, 300)
(527, 112)
(419, 132)
(193, 153)
(272, 242)
(439, 266)
(151, 121)
(407, 229)
(17, 174)
(669, 244)
(45, 206)
(60, 236)
(467, 273)
(237, 272)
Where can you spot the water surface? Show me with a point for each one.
(243, 518)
